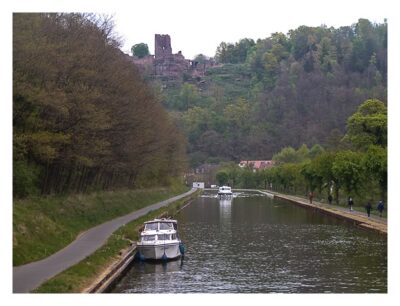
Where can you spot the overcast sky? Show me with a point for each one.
(200, 26)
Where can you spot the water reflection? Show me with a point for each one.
(225, 208)
(251, 243)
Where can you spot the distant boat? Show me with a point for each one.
(225, 191)
(159, 240)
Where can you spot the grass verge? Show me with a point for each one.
(81, 276)
(44, 225)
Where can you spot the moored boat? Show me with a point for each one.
(159, 241)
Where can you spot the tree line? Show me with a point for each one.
(357, 166)
(283, 90)
(83, 118)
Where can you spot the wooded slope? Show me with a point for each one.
(82, 116)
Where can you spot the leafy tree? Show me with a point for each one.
(368, 126)
(234, 53)
(286, 155)
(290, 155)
(315, 151)
(247, 178)
(348, 170)
(140, 50)
(233, 172)
(311, 175)
(81, 111)
(237, 115)
(222, 178)
(188, 96)
(299, 88)
(375, 163)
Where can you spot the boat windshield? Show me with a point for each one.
(149, 238)
(164, 237)
(166, 226)
(151, 226)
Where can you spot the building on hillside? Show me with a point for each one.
(256, 165)
(166, 65)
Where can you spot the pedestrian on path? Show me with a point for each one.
(310, 196)
(380, 208)
(368, 207)
(350, 203)
(330, 199)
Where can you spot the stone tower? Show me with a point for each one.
(162, 46)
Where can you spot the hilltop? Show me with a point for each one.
(283, 90)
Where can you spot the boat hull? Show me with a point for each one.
(159, 251)
(225, 194)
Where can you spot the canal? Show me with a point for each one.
(255, 244)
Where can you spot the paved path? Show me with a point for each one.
(30, 276)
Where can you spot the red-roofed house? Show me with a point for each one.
(256, 164)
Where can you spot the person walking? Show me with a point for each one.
(310, 196)
(350, 203)
(368, 207)
(380, 208)
(330, 199)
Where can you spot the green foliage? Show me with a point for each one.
(234, 53)
(357, 173)
(348, 170)
(188, 97)
(222, 177)
(25, 179)
(290, 155)
(44, 225)
(80, 276)
(375, 163)
(298, 89)
(82, 113)
(140, 50)
(286, 155)
(315, 151)
(368, 126)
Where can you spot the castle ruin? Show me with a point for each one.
(168, 66)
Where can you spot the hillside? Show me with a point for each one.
(81, 111)
(283, 90)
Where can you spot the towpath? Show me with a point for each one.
(359, 218)
(30, 276)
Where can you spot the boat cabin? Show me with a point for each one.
(160, 225)
(159, 237)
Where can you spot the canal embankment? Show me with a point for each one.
(252, 243)
(112, 273)
(98, 271)
(358, 218)
(105, 243)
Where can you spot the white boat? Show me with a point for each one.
(225, 191)
(159, 240)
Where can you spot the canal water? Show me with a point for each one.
(255, 244)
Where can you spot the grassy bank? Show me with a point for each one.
(44, 225)
(80, 276)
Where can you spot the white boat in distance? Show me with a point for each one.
(225, 191)
(159, 240)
